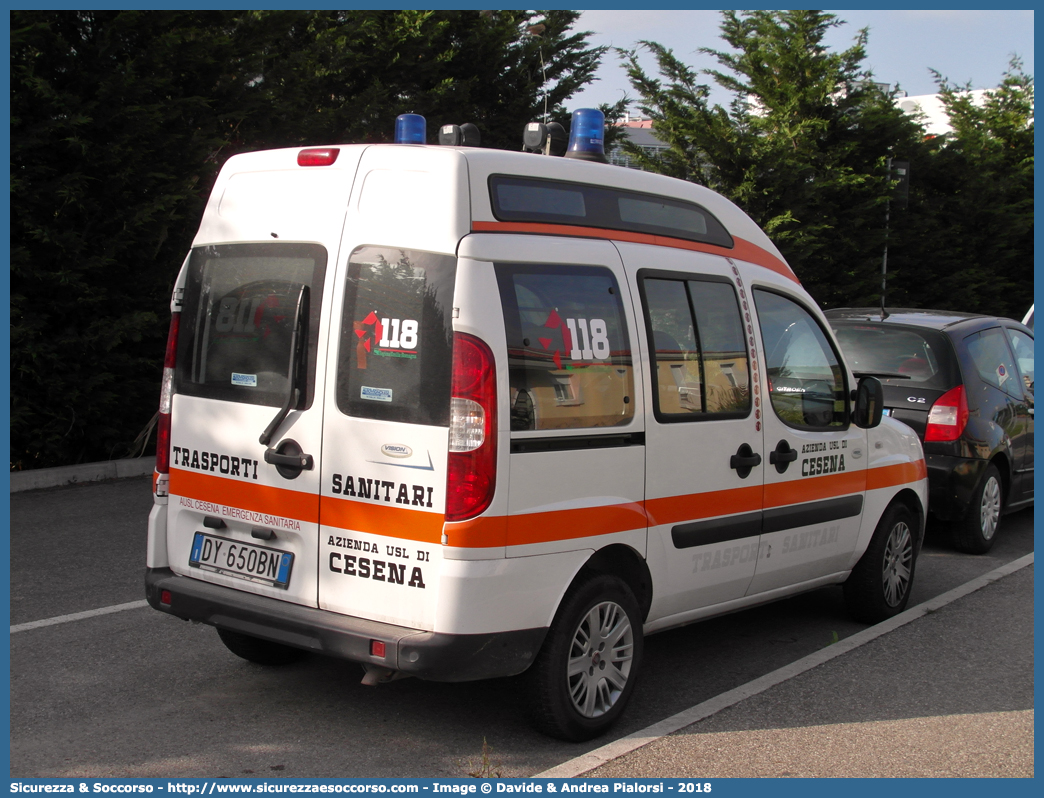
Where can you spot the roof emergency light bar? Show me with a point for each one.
(586, 140)
(411, 129)
(587, 135)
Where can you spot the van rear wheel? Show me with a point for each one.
(254, 649)
(585, 672)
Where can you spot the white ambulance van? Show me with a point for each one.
(460, 413)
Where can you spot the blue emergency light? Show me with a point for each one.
(410, 129)
(587, 135)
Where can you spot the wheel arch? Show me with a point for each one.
(627, 564)
(913, 503)
(1004, 468)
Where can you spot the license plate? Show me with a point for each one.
(241, 560)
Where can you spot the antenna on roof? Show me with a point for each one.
(536, 31)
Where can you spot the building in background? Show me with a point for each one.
(935, 120)
(639, 131)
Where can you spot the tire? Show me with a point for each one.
(976, 532)
(879, 586)
(262, 652)
(585, 672)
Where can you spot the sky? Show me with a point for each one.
(965, 46)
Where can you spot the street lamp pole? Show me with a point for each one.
(884, 260)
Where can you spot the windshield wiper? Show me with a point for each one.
(294, 393)
(881, 375)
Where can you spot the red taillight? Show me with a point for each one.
(166, 399)
(165, 597)
(473, 429)
(948, 416)
(377, 648)
(322, 156)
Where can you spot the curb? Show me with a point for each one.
(625, 745)
(84, 472)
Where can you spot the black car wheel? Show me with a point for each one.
(977, 531)
(586, 670)
(879, 585)
(262, 652)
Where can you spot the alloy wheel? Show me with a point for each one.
(898, 557)
(600, 659)
(989, 508)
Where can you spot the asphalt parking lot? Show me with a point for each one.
(110, 688)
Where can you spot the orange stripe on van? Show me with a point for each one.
(518, 530)
(245, 495)
(743, 249)
(694, 506)
(810, 489)
(579, 523)
(890, 476)
(527, 528)
(381, 519)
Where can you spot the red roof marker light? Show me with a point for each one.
(321, 156)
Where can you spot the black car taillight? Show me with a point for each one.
(948, 416)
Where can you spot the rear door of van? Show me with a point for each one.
(235, 518)
(243, 510)
(385, 438)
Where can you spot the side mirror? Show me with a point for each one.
(869, 403)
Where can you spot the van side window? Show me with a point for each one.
(395, 356)
(236, 321)
(700, 365)
(806, 381)
(569, 356)
(539, 201)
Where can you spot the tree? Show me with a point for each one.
(966, 241)
(120, 121)
(802, 147)
(114, 122)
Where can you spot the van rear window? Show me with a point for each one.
(395, 358)
(527, 199)
(236, 321)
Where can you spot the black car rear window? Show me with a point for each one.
(527, 199)
(918, 357)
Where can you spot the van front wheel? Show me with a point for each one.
(254, 649)
(879, 586)
(586, 670)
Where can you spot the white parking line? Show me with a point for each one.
(617, 748)
(78, 616)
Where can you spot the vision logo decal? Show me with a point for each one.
(385, 337)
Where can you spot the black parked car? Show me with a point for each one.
(965, 383)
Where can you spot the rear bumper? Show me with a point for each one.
(428, 655)
(951, 484)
